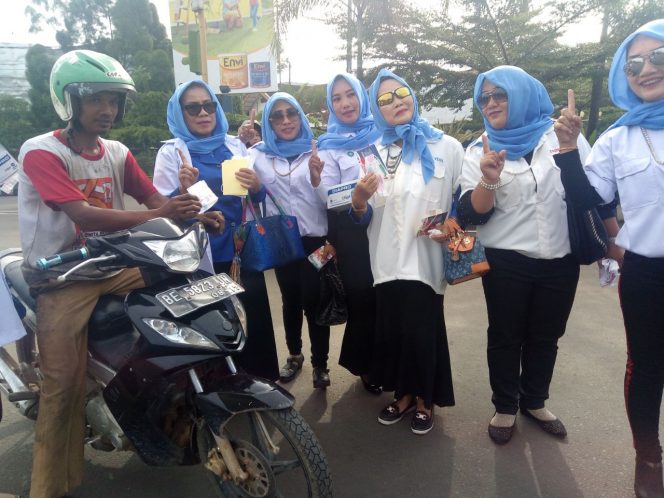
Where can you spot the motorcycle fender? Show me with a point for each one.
(241, 393)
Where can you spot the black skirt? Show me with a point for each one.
(411, 355)
(352, 246)
(259, 356)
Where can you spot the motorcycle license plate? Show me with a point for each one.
(187, 298)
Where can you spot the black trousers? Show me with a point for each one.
(299, 284)
(642, 301)
(259, 356)
(528, 302)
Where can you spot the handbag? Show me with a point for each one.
(464, 256)
(266, 242)
(588, 238)
(464, 259)
(331, 309)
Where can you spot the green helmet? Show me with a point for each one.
(82, 73)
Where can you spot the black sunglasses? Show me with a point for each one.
(635, 65)
(194, 109)
(280, 116)
(498, 95)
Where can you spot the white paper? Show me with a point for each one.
(201, 190)
(12, 328)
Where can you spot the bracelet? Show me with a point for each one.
(612, 240)
(489, 186)
(562, 150)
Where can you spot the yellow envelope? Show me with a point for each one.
(230, 184)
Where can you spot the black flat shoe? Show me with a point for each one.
(374, 389)
(648, 480)
(500, 435)
(553, 427)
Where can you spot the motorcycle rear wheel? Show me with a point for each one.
(299, 467)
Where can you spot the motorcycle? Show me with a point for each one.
(161, 376)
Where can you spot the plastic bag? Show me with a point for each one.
(332, 309)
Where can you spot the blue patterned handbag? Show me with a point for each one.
(464, 259)
(464, 256)
(267, 242)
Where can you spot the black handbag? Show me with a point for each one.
(331, 309)
(587, 235)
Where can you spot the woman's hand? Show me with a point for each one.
(187, 175)
(492, 162)
(615, 252)
(213, 221)
(315, 165)
(329, 252)
(248, 179)
(445, 231)
(568, 125)
(363, 191)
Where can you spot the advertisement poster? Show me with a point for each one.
(239, 35)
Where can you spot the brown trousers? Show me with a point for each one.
(62, 325)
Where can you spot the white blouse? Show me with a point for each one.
(395, 250)
(291, 185)
(621, 160)
(530, 214)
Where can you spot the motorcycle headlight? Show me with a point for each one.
(179, 334)
(241, 314)
(181, 255)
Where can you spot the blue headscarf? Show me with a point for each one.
(529, 110)
(639, 113)
(364, 128)
(414, 134)
(178, 126)
(285, 148)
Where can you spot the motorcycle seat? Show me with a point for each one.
(15, 278)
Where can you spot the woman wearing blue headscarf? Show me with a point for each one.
(280, 161)
(511, 189)
(200, 145)
(411, 355)
(629, 158)
(338, 159)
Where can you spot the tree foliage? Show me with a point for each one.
(15, 125)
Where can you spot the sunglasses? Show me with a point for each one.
(498, 95)
(636, 64)
(280, 116)
(195, 109)
(388, 97)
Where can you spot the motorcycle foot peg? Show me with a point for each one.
(22, 396)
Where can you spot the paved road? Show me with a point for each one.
(456, 458)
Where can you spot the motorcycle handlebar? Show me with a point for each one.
(62, 258)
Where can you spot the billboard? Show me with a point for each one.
(238, 36)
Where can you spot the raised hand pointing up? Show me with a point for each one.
(315, 165)
(568, 125)
(492, 162)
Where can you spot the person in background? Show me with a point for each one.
(72, 184)
(350, 128)
(200, 146)
(629, 158)
(411, 356)
(253, 12)
(281, 163)
(511, 190)
(249, 131)
(230, 11)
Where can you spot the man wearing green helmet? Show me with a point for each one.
(72, 184)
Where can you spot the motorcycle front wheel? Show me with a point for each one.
(278, 450)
